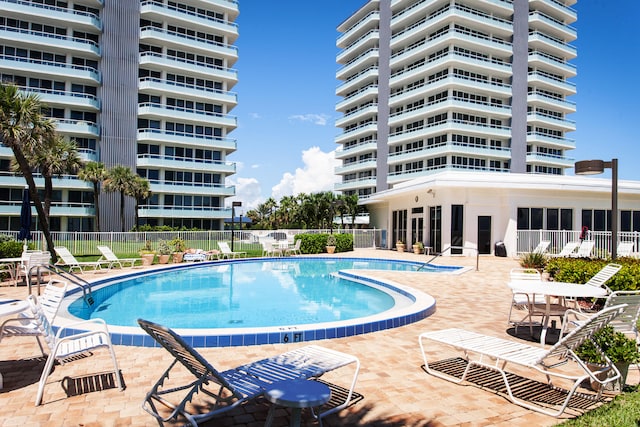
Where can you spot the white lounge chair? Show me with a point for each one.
(493, 353)
(625, 249)
(195, 255)
(585, 249)
(68, 342)
(627, 322)
(109, 256)
(69, 261)
(542, 247)
(226, 252)
(235, 386)
(24, 325)
(568, 249)
(602, 277)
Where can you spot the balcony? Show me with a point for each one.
(556, 9)
(51, 42)
(191, 188)
(553, 122)
(455, 148)
(552, 26)
(149, 135)
(358, 166)
(185, 163)
(161, 87)
(367, 41)
(544, 159)
(188, 43)
(549, 82)
(155, 211)
(547, 101)
(60, 16)
(77, 127)
(363, 96)
(371, 20)
(364, 112)
(365, 60)
(550, 141)
(542, 42)
(65, 98)
(363, 78)
(433, 129)
(154, 110)
(157, 11)
(357, 132)
(357, 149)
(354, 184)
(543, 61)
(160, 62)
(48, 69)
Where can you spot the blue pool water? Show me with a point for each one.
(256, 301)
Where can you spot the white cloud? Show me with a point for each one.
(255, 116)
(316, 119)
(315, 176)
(248, 191)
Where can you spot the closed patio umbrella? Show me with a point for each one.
(25, 217)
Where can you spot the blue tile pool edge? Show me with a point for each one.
(423, 306)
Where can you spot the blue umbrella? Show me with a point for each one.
(25, 217)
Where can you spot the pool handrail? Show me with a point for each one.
(438, 254)
(87, 295)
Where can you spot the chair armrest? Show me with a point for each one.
(100, 323)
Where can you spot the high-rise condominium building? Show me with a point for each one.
(144, 84)
(434, 85)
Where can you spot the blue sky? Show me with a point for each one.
(286, 92)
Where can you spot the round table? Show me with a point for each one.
(296, 394)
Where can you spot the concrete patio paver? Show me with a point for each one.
(396, 391)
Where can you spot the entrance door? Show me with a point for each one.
(435, 228)
(457, 222)
(484, 234)
(417, 226)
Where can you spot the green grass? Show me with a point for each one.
(623, 411)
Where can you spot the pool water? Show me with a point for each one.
(248, 294)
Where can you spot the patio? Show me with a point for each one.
(395, 390)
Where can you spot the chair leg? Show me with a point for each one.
(43, 378)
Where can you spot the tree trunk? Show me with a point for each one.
(43, 219)
(96, 202)
(122, 211)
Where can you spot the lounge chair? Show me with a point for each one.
(69, 261)
(195, 255)
(542, 247)
(625, 249)
(70, 341)
(584, 250)
(602, 277)
(627, 322)
(226, 252)
(235, 386)
(495, 353)
(109, 256)
(568, 249)
(24, 325)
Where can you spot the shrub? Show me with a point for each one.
(533, 260)
(10, 249)
(316, 243)
(580, 270)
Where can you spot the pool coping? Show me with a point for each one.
(422, 305)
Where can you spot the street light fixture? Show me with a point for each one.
(594, 167)
(234, 205)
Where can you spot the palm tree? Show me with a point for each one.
(54, 158)
(95, 173)
(119, 179)
(23, 128)
(139, 190)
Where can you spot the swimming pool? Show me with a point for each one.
(258, 301)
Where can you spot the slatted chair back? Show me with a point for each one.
(627, 322)
(602, 277)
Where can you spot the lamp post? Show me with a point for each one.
(594, 167)
(234, 205)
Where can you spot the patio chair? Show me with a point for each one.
(567, 249)
(226, 252)
(235, 386)
(269, 248)
(295, 249)
(483, 351)
(542, 247)
(69, 341)
(524, 302)
(625, 249)
(24, 324)
(69, 261)
(109, 256)
(30, 260)
(626, 322)
(584, 250)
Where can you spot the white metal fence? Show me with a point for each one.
(529, 239)
(84, 243)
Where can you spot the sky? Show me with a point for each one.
(286, 93)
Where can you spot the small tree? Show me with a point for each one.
(120, 179)
(95, 173)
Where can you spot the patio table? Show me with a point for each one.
(554, 289)
(12, 264)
